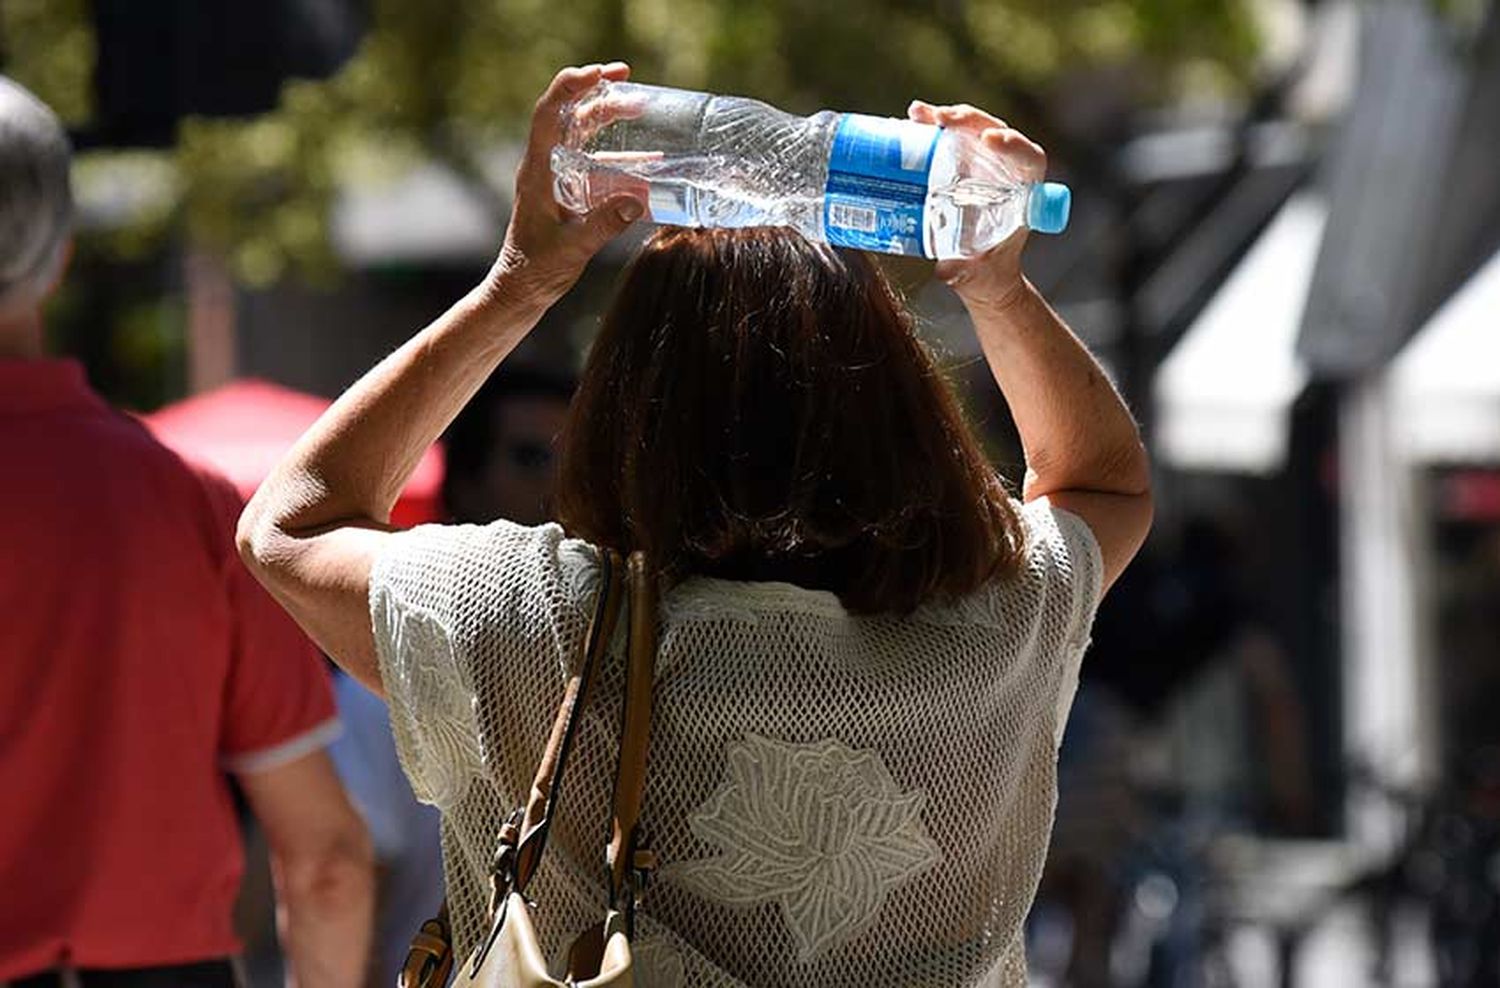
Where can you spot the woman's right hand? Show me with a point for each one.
(547, 247)
(993, 279)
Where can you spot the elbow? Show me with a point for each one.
(247, 537)
(336, 877)
(1127, 470)
(254, 538)
(262, 543)
(1123, 470)
(1146, 513)
(1133, 482)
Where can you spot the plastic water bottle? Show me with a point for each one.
(872, 183)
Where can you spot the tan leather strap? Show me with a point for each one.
(624, 857)
(520, 842)
(547, 785)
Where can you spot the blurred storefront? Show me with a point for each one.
(1445, 389)
(1372, 299)
(1323, 301)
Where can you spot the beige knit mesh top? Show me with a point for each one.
(836, 800)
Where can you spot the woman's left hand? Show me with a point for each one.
(994, 278)
(547, 247)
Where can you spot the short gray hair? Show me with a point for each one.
(36, 197)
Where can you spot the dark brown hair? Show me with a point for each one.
(757, 407)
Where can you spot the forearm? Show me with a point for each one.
(315, 530)
(1075, 430)
(325, 913)
(351, 466)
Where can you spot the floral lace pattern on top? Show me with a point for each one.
(820, 829)
(815, 775)
(432, 710)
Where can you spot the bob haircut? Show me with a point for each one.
(758, 407)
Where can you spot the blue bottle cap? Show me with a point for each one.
(1049, 207)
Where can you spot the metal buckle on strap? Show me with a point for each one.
(635, 882)
(503, 865)
(429, 960)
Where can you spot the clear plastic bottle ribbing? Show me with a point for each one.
(724, 161)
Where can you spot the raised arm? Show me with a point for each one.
(1083, 450)
(315, 527)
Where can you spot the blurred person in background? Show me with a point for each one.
(499, 450)
(868, 648)
(403, 832)
(139, 663)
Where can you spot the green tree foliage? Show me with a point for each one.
(445, 81)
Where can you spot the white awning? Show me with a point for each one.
(1446, 382)
(1224, 394)
(426, 214)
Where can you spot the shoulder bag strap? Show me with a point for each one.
(628, 862)
(522, 838)
(546, 787)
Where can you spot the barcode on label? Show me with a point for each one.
(847, 217)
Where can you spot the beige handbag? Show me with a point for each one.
(510, 956)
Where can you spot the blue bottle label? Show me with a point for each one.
(877, 184)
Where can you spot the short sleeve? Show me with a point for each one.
(366, 759)
(456, 609)
(1063, 556)
(278, 697)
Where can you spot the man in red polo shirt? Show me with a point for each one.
(138, 663)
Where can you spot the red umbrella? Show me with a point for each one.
(244, 428)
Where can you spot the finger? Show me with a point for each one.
(610, 219)
(922, 112)
(953, 272)
(546, 118)
(572, 83)
(973, 114)
(569, 82)
(965, 116)
(567, 85)
(606, 184)
(1013, 139)
(1024, 154)
(593, 113)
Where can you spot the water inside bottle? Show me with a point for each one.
(969, 216)
(714, 161)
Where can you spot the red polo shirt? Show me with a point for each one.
(138, 661)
